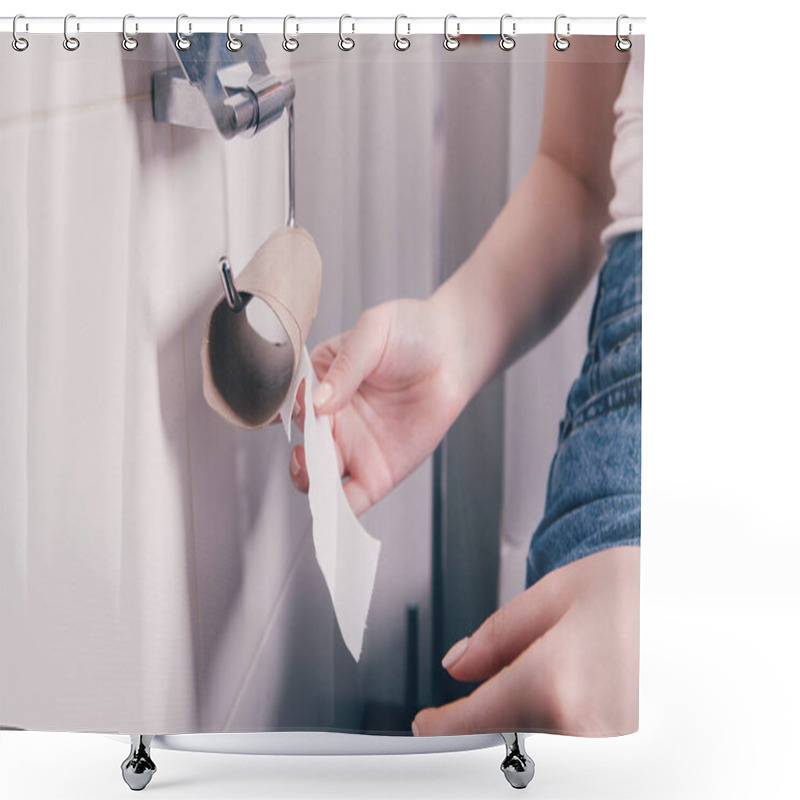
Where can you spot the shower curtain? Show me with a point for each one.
(160, 571)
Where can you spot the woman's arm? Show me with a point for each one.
(544, 246)
(396, 382)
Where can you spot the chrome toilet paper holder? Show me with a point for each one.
(216, 88)
(231, 90)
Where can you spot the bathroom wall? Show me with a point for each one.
(496, 458)
(164, 551)
(536, 386)
(157, 566)
(368, 190)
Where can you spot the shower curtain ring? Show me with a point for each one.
(346, 43)
(401, 42)
(560, 43)
(71, 43)
(233, 44)
(623, 44)
(128, 42)
(290, 44)
(181, 42)
(18, 42)
(507, 42)
(451, 42)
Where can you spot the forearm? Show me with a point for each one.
(525, 274)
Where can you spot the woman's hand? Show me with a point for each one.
(392, 389)
(561, 657)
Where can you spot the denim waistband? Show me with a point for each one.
(619, 286)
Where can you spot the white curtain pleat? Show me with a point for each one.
(171, 579)
(158, 573)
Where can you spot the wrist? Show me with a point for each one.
(467, 329)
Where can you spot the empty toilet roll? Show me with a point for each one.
(252, 372)
(245, 376)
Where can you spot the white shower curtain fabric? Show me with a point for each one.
(158, 568)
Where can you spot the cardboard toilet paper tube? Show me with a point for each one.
(246, 377)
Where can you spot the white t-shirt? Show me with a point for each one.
(626, 156)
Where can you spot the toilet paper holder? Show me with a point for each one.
(216, 88)
(235, 300)
(231, 91)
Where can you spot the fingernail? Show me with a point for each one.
(455, 652)
(414, 728)
(294, 465)
(322, 393)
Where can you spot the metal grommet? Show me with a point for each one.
(290, 44)
(623, 45)
(401, 42)
(507, 42)
(18, 42)
(560, 43)
(71, 43)
(451, 42)
(233, 44)
(346, 43)
(128, 42)
(181, 42)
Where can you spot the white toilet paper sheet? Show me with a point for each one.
(346, 553)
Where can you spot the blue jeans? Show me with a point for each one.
(594, 488)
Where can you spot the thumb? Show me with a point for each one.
(358, 355)
(522, 696)
(493, 706)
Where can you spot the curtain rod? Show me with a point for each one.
(331, 25)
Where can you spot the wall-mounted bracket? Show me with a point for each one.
(217, 88)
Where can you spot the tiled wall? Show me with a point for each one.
(158, 567)
(158, 570)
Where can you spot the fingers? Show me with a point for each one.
(357, 496)
(299, 413)
(506, 702)
(278, 419)
(323, 354)
(297, 469)
(359, 353)
(509, 631)
(580, 676)
(489, 707)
